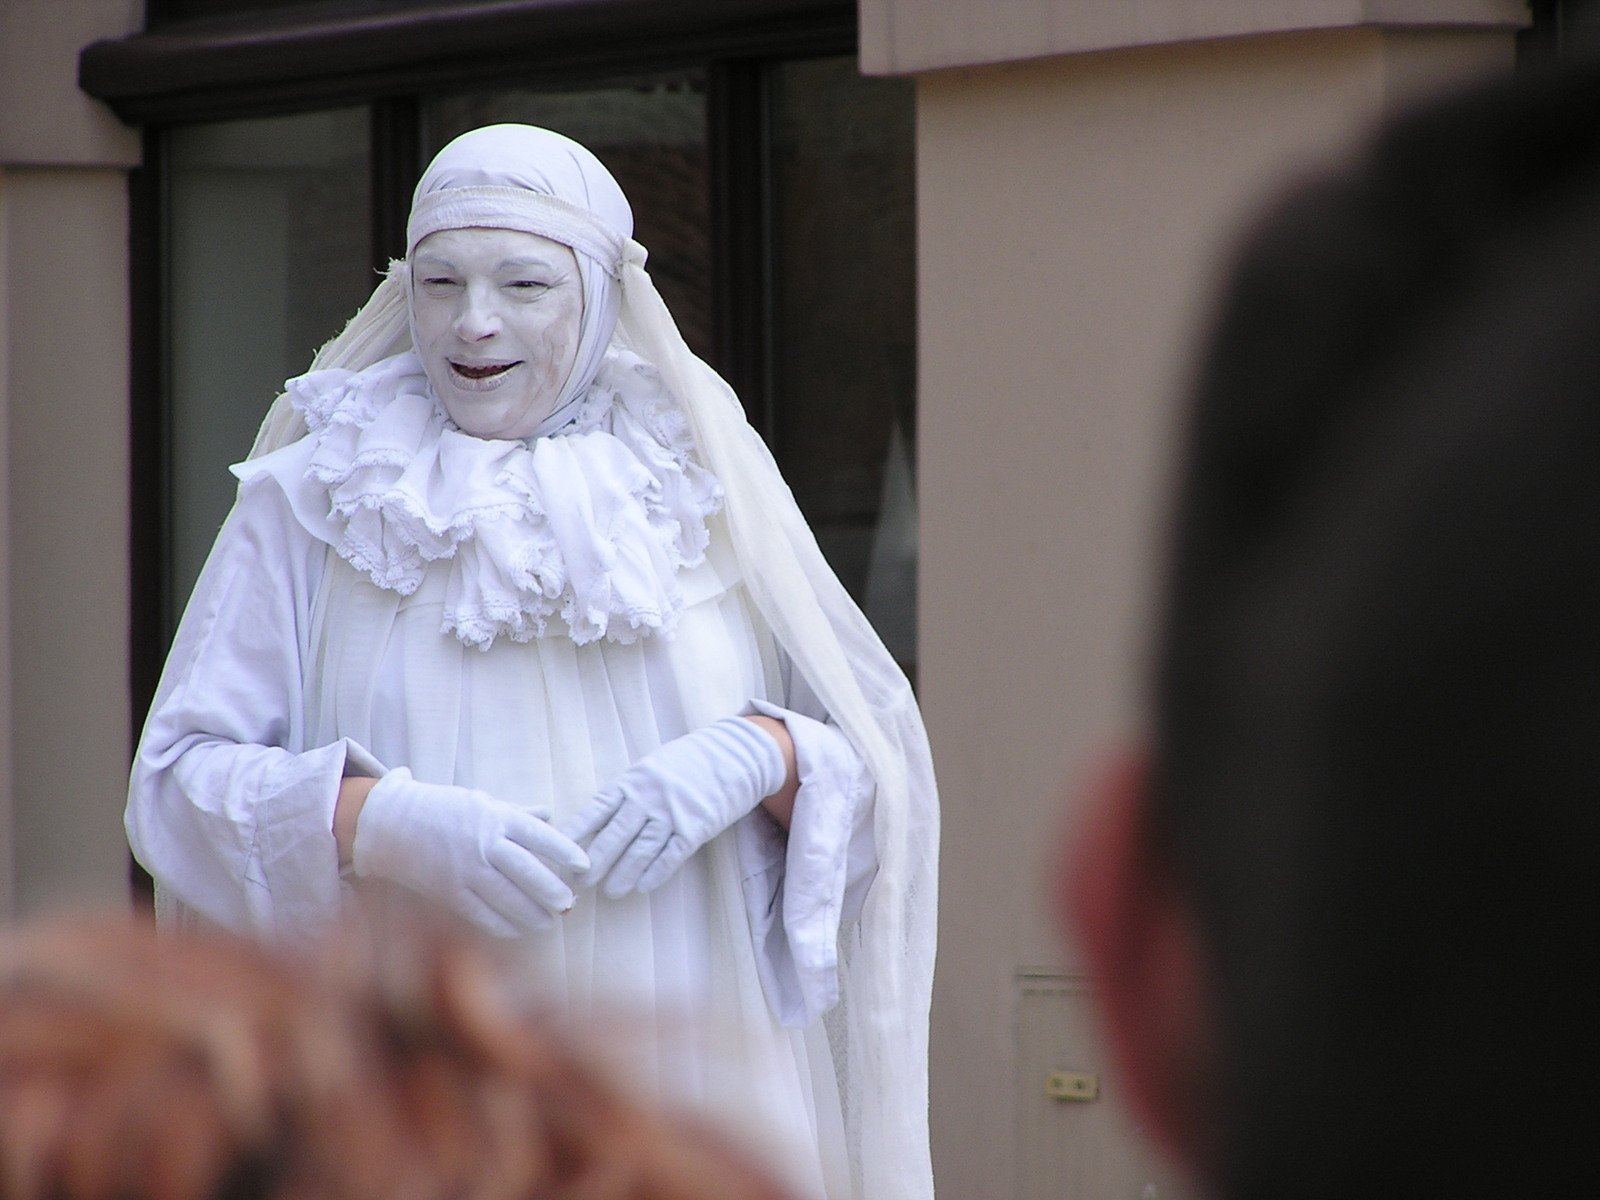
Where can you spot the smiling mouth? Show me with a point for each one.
(486, 371)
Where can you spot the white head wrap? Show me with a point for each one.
(534, 181)
(523, 178)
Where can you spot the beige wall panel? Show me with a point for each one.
(44, 117)
(1073, 215)
(67, 403)
(903, 36)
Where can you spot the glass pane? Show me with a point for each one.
(267, 256)
(652, 138)
(844, 326)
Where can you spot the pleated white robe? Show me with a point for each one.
(292, 668)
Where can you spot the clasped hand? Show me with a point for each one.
(643, 825)
(495, 864)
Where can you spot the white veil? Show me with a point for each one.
(521, 177)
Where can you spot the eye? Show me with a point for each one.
(438, 281)
(528, 285)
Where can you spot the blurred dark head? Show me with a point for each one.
(1376, 772)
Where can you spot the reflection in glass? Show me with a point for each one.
(844, 326)
(266, 258)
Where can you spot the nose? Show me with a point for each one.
(476, 319)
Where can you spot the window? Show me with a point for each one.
(1557, 30)
(771, 184)
(843, 364)
(266, 256)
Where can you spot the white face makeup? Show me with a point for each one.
(498, 313)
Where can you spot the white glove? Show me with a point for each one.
(643, 825)
(492, 862)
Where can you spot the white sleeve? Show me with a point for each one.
(802, 887)
(228, 810)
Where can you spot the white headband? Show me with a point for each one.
(488, 207)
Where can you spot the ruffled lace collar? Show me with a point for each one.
(582, 533)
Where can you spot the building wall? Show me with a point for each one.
(63, 462)
(903, 36)
(1074, 214)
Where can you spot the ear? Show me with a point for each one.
(1119, 901)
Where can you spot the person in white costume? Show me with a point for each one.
(513, 609)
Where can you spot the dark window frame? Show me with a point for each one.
(333, 52)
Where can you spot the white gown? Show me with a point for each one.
(389, 591)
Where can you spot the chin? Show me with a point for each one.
(502, 426)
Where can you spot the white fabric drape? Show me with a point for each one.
(878, 1030)
(291, 670)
